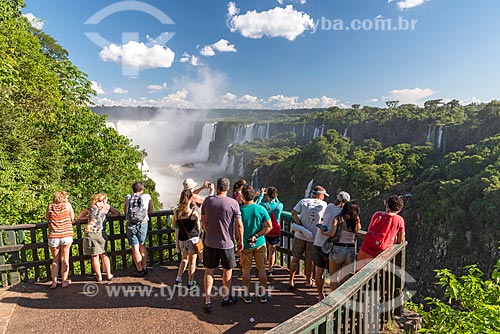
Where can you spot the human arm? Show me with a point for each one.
(401, 236)
(260, 197)
(150, 206)
(266, 228)
(331, 232)
(113, 212)
(295, 217)
(239, 234)
(84, 214)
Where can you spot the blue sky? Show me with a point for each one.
(280, 54)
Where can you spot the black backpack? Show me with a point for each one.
(136, 211)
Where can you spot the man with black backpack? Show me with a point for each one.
(136, 207)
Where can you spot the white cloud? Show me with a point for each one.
(138, 55)
(292, 102)
(156, 88)
(97, 88)
(372, 100)
(414, 96)
(408, 4)
(34, 21)
(232, 10)
(118, 90)
(278, 22)
(207, 51)
(469, 100)
(223, 46)
(187, 58)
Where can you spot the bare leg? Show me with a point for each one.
(226, 282)
(183, 264)
(97, 267)
(54, 270)
(271, 256)
(191, 266)
(106, 264)
(144, 255)
(208, 283)
(137, 257)
(309, 272)
(65, 250)
(334, 275)
(293, 269)
(320, 281)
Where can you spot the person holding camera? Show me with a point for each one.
(256, 224)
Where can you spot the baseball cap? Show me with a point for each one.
(343, 196)
(318, 190)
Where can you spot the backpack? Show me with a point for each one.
(276, 230)
(378, 237)
(136, 212)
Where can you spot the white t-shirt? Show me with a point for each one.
(331, 212)
(146, 198)
(310, 211)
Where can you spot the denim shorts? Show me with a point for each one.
(56, 242)
(136, 233)
(341, 254)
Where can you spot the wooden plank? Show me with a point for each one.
(34, 251)
(11, 239)
(5, 278)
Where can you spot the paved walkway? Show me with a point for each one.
(36, 308)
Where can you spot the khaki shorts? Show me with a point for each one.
(94, 243)
(301, 246)
(260, 259)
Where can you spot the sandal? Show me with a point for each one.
(66, 283)
(110, 279)
(53, 285)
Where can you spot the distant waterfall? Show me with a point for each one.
(230, 165)
(304, 130)
(244, 133)
(207, 136)
(308, 189)
(255, 180)
(439, 143)
(345, 132)
(241, 167)
(318, 131)
(262, 131)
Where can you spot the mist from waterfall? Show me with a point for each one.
(177, 145)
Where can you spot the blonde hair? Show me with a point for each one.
(100, 197)
(60, 197)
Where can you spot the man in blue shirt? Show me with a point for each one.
(256, 224)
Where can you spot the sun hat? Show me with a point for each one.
(343, 196)
(318, 190)
(189, 184)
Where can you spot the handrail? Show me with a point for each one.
(326, 314)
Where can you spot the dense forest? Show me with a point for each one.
(49, 138)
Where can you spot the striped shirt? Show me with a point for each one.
(60, 224)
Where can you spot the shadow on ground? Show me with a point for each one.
(152, 305)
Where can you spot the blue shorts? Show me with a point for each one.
(343, 255)
(136, 233)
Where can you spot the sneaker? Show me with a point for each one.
(208, 307)
(230, 301)
(139, 274)
(193, 285)
(178, 283)
(247, 299)
(145, 271)
(264, 298)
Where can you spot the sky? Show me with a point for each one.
(278, 54)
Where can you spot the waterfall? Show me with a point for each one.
(345, 132)
(249, 132)
(262, 131)
(144, 167)
(304, 130)
(111, 125)
(207, 136)
(230, 165)
(255, 181)
(308, 189)
(322, 130)
(430, 134)
(439, 143)
(243, 133)
(241, 167)
(316, 133)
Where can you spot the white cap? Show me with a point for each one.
(189, 184)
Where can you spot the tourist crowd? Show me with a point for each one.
(231, 224)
